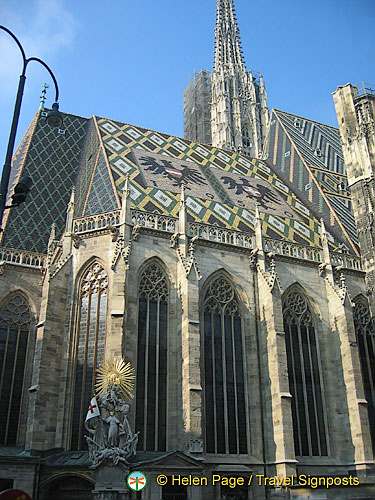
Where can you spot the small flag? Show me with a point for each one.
(93, 410)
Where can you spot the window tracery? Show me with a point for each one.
(15, 321)
(365, 333)
(153, 284)
(226, 428)
(305, 381)
(89, 349)
(151, 396)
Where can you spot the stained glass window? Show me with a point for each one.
(365, 333)
(15, 319)
(151, 394)
(305, 382)
(89, 344)
(224, 381)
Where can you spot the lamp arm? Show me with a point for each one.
(19, 46)
(26, 61)
(8, 159)
(49, 71)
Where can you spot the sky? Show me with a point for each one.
(131, 61)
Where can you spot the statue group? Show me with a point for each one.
(112, 440)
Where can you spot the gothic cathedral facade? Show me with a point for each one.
(233, 284)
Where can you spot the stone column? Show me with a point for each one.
(190, 338)
(280, 455)
(341, 322)
(46, 399)
(120, 265)
(47, 369)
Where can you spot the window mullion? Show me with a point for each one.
(12, 386)
(157, 374)
(225, 389)
(146, 373)
(296, 405)
(369, 366)
(85, 329)
(4, 360)
(95, 343)
(313, 386)
(306, 409)
(235, 386)
(24, 375)
(84, 368)
(322, 392)
(214, 377)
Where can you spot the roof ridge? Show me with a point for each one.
(304, 118)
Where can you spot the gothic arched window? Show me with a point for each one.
(15, 320)
(224, 380)
(365, 333)
(305, 381)
(89, 347)
(151, 400)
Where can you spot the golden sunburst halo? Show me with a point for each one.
(115, 373)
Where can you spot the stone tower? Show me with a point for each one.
(197, 109)
(239, 112)
(236, 98)
(355, 110)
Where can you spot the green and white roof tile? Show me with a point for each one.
(97, 154)
(221, 187)
(308, 157)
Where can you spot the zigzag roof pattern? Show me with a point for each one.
(98, 154)
(50, 157)
(221, 187)
(307, 155)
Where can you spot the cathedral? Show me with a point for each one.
(233, 268)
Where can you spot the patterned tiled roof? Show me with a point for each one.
(308, 157)
(50, 157)
(221, 187)
(96, 155)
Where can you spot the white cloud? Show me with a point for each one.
(44, 27)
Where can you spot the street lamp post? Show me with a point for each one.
(54, 119)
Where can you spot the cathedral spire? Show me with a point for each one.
(230, 111)
(228, 50)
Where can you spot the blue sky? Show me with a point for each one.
(131, 61)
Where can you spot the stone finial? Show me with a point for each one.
(324, 240)
(52, 235)
(258, 228)
(182, 199)
(257, 213)
(70, 213)
(72, 198)
(125, 216)
(182, 218)
(326, 266)
(126, 189)
(323, 227)
(51, 244)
